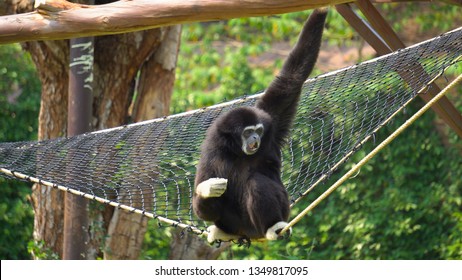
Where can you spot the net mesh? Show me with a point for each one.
(149, 167)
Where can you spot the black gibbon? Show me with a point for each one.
(238, 182)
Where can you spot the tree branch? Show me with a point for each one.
(59, 19)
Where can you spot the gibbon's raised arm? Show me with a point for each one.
(281, 97)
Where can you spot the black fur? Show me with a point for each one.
(255, 198)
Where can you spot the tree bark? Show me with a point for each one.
(186, 246)
(118, 59)
(48, 202)
(117, 62)
(152, 101)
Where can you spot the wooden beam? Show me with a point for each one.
(384, 40)
(380, 24)
(363, 28)
(59, 19)
(451, 2)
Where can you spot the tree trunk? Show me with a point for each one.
(155, 85)
(153, 102)
(118, 60)
(48, 203)
(51, 59)
(186, 246)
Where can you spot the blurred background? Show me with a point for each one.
(405, 204)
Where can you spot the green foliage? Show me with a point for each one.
(428, 17)
(404, 204)
(19, 105)
(401, 206)
(40, 251)
(215, 58)
(20, 95)
(157, 240)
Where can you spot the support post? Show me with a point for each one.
(80, 100)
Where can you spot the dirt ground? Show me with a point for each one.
(330, 58)
(335, 57)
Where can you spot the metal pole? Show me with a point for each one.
(79, 121)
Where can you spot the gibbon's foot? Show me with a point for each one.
(214, 234)
(273, 232)
(213, 187)
(244, 241)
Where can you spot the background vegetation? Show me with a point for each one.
(405, 204)
(19, 107)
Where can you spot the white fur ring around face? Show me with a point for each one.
(273, 232)
(213, 187)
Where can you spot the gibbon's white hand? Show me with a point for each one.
(213, 187)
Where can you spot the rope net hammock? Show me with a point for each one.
(149, 167)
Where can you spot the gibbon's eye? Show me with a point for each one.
(259, 130)
(248, 132)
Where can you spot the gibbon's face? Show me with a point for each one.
(245, 126)
(251, 138)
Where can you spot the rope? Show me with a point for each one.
(374, 152)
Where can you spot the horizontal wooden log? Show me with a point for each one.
(59, 19)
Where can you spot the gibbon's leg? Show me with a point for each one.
(215, 233)
(267, 205)
(273, 232)
(213, 187)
